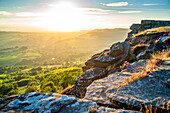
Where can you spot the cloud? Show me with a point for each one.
(116, 4)
(21, 14)
(94, 11)
(130, 11)
(27, 14)
(150, 4)
(5, 13)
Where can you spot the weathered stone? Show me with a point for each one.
(80, 106)
(104, 61)
(110, 110)
(116, 49)
(86, 79)
(131, 58)
(163, 44)
(101, 62)
(97, 90)
(148, 90)
(100, 54)
(56, 103)
(126, 53)
(5, 101)
(147, 24)
(49, 103)
(135, 26)
(90, 62)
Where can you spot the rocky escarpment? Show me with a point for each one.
(110, 60)
(146, 24)
(102, 85)
(121, 62)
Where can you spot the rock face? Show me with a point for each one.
(86, 79)
(103, 73)
(49, 103)
(54, 103)
(147, 24)
(109, 110)
(117, 55)
(116, 49)
(5, 101)
(97, 90)
(152, 90)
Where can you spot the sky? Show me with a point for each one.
(75, 15)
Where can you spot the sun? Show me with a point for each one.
(64, 16)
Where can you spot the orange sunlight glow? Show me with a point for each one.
(64, 16)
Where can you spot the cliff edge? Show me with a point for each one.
(129, 77)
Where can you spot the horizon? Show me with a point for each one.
(78, 15)
(62, 31)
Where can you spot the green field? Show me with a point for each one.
(48, 62)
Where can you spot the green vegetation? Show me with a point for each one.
(17, 48)
(48, 62)
(37, 79)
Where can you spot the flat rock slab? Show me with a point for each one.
(109, 110)
(49, 103)
(151, 90)
(97, 90)
(55, 103)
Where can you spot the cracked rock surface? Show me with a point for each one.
(54, 103)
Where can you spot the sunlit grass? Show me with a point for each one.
(153, 30)
(152, 65)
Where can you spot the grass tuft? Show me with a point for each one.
(152, 66)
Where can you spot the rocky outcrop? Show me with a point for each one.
(131, 50)
(104, 77)
(55, 103)
(97, 90)
(151, 90)
(116, 56)
(147, 24)
(82, 82)
(49, 103)
(7, 100)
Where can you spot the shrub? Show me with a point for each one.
(31, 89)
(48, 87)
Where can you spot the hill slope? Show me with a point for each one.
(40, 48)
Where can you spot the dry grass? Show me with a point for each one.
(153, 30)
(92, 110)
(152, 66)
(68, 90)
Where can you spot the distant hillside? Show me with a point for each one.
(40, 48)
